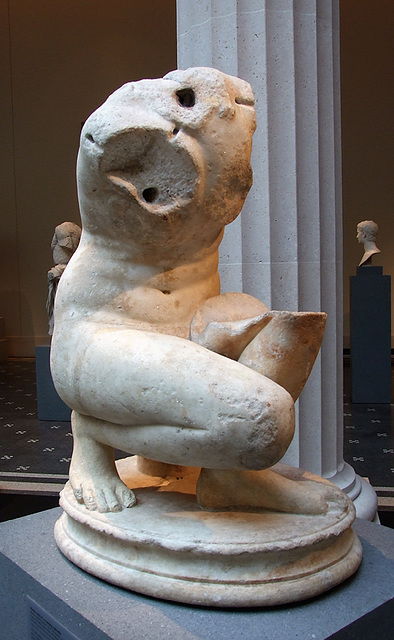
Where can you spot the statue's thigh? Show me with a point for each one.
(145, 378)
(175, 401)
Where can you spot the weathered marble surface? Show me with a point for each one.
(169, 548)
(152, 359)
(163, 166)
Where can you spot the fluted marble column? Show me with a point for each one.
(286, 247)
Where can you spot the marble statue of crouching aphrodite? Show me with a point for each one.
(149, 356)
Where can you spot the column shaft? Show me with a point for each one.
(286, 246)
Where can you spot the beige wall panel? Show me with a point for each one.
(66, 58)
(9, 276)
(367, 55)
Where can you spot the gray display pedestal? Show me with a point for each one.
(50, 405)
(39, 586)
(370, 335)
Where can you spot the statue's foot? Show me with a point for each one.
(219, 489)
(101, 493)
(93, 475)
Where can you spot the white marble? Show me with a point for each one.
(286, 247)
(163, 166)
(169, 548)
(153, 360)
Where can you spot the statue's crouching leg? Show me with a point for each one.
(251, 431)
(284, 351)
(268, 489)
(93, 475)
(174, 402)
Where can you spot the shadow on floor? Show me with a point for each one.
(18, 505)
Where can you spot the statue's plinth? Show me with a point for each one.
(167, 547)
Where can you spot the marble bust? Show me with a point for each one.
(367, 230)
(153, 360)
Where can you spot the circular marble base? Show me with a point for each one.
(167, 547)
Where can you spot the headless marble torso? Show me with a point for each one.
(146, 264)
(161, 296)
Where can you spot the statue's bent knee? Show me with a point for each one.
(271, 434)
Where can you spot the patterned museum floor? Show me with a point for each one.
(35, 455)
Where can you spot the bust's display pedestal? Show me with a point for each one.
(50, 405)
(370, 335)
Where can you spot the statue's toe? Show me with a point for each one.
(105, 498)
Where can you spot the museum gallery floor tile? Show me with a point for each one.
(369, 440)
(35, 455)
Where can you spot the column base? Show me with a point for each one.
(359, 491)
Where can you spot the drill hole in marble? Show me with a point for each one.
(186, 98)
(150, 194)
